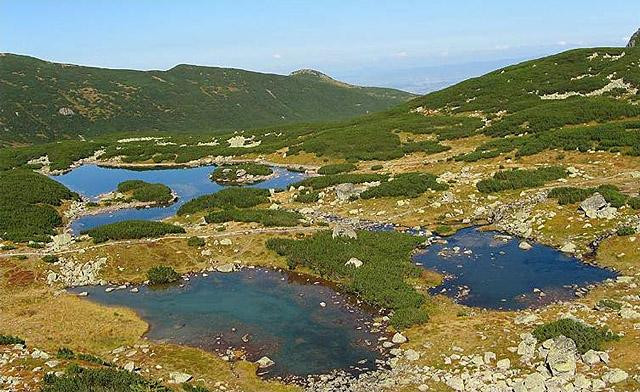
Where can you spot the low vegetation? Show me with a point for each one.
(229, 174)
(196, 242)
(321, 182)
(626, 230)
(226, 198)
(519, 179)
(27, 205)
(146, 192)
(611, 193)
(586, 337)
(265, 217)
(8, 339)
(132, 229)
(337, 168)
(405, 185)
(162, 274)
(381, 280)
(50, 259)
(307, 196)
(77, 378)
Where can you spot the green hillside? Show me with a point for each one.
(42, 101)
(581, 99)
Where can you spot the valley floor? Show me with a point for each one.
(459, 348)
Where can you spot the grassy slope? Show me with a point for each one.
(184, 98)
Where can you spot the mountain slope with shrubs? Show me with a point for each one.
(44, 101)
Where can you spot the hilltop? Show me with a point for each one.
(45, 101)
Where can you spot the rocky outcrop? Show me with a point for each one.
(561, 358)
(344, 231)
(635, 40)
(597, 207)
(72, 273)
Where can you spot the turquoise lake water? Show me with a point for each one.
(279, 315)
(188, 183)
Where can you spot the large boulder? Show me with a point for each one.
(597, 207)
(346, 191)
(344, 231)
(561, 358)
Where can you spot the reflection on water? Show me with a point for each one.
(262, 311)
(188, 183)
(499, 275)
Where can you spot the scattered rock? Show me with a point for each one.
(354, 262)
(398, 338)
(503, 364)
(226, 268)
(411, 355)
(615, 376)
(179, 378)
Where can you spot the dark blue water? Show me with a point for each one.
(500, 275)
(279, 313)
(188, 183)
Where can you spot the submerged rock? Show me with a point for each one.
(265, 362)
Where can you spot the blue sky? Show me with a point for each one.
(349, 38)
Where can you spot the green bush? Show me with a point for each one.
(27, 201)
(227, 174)
(626, 230)
(377, 167)
(65, 353)
(308, 196)
(146, 192)
(226, 198)
(262, 216)
(379, 281)
(634, 202)
(196, 242)
(162, 275)
(586, 337)
(194, 388)
(50, 258)
(132, 229)
(518, 179)
(81, 379)
(610, 304)
(405, 185)
(570, 195)
(337, 168)
(8, 339)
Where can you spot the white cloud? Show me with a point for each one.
(401, 54)
(562, 43)
(277, 56)
(502, 47)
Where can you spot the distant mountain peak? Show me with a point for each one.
(317, 74)
(635, 40)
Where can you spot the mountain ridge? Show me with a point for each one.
(44, 101)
